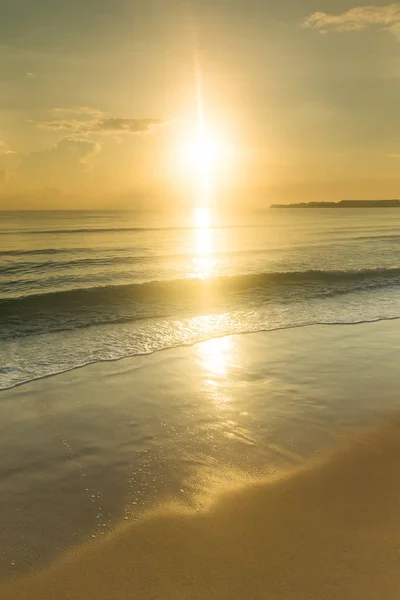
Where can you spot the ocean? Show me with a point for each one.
(84, 287)
(149, 362)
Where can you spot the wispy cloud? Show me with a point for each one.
(77, 111)
(85, 120)
(69, 148)
(4, 147)
(394, 155)
(357, 19)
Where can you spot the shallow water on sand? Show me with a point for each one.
(86, 450)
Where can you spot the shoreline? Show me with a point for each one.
(182, 346)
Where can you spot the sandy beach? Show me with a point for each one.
(270, 471)
(328, 531)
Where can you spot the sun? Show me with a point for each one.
(202, 218)
(203, 156)
(204, 152)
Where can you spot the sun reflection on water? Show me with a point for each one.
(204, 261)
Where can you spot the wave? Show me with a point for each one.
(393, 237)
(85, 307)
(68, 264)
(115, 256)
(337, 236)
(374, 276)
(117, 229)
(41, 251)
(85, 230)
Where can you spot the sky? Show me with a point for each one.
(99, 102)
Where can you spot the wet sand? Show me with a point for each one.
(86, 455)
(330, 530)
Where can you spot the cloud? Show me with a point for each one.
(68, 149)
(78, 110)
(4, 148)
(102, 126)
(357, 19)
(114, 125)
(84, 121)
(31, 75)
(66, 164)
(394, 155)
(396, 30)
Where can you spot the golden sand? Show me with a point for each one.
(329, 531)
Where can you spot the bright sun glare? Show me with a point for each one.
(202, 217)
(203, 155)
(203, 152)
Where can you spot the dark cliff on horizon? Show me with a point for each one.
(343, 204)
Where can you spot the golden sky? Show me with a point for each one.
(99, 102)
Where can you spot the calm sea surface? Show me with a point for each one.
(83, 287)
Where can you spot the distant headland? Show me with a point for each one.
(343, 204)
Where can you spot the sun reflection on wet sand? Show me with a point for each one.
(220, 359)
(216, 356)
